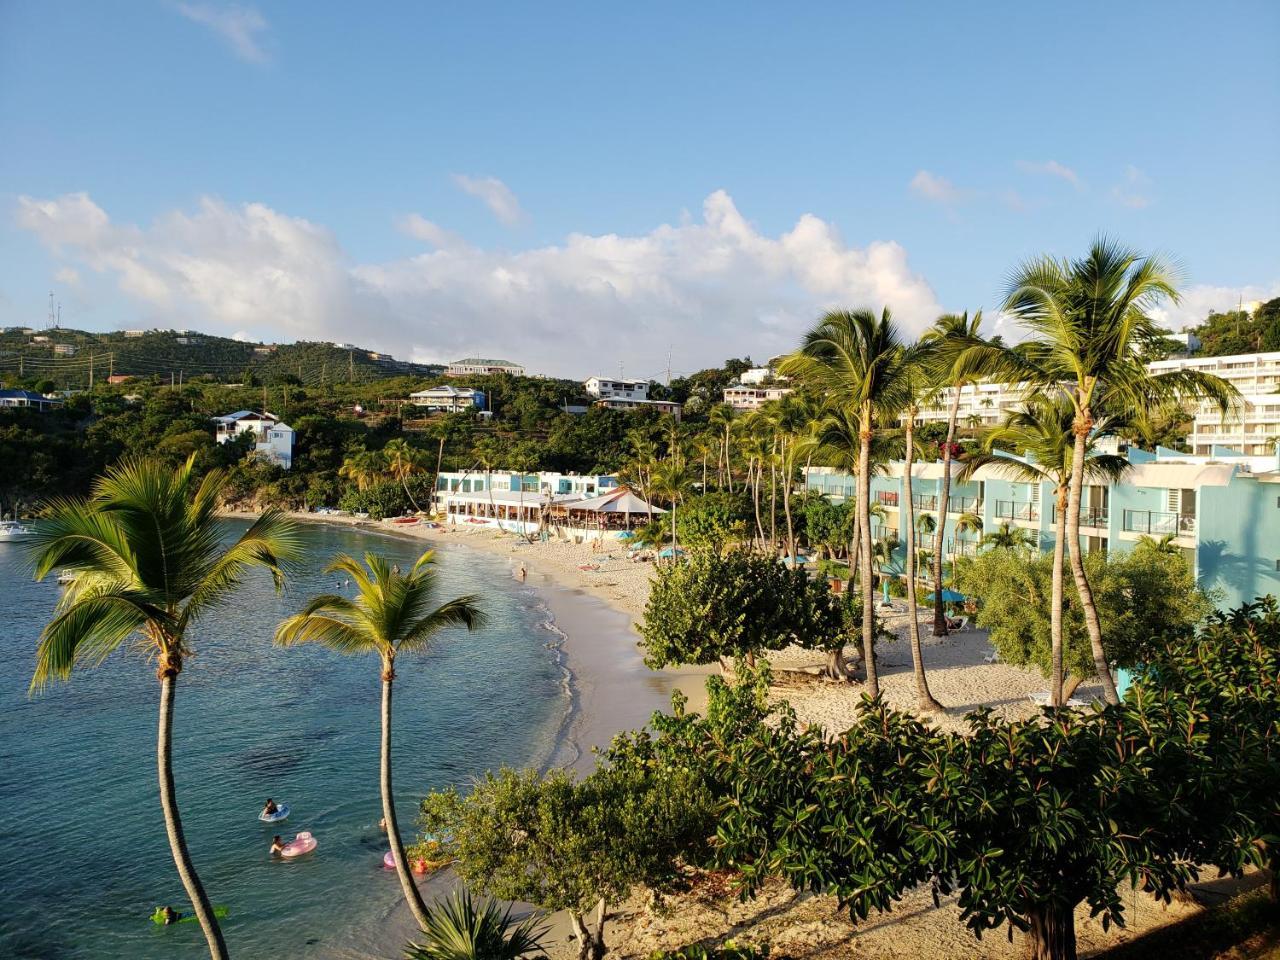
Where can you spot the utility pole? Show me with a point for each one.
(91, 359)
(111, 368)
(351, 366)
(171, 382)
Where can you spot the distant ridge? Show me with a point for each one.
(69, 357)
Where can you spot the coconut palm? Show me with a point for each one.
(968, 522)
(956, 356)
(672, 481)
(149, 560)
(1164, 544)
(364, 468)
(721, 418)
(462, 929)
(1008, 537)
(857, 360)
(392, 614)
(403, 461)
(1042, 432)
(1091, 326)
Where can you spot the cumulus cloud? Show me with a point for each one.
(238, 26)
(420, 228)
(707, 288)
(1133, 192)
(1198, 301)
(930, 186)
(1053, 168)
(495, 194)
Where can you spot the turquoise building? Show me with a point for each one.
(1222, 511)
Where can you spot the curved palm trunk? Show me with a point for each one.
(728, 463)
(924, 699)
(435, 481)
(786, 502)
(864, 528)
(173, 824)
(411, 895)
(404, 482)
(773, 499)
(939, 612)
(755, 503)
(1056, 697)
(1088, 607)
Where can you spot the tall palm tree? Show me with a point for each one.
(721, 417)
(392, 614)
(1042, 432)
(149, 561)
(672, 481)
(1091, 328)
(956, 356)
(403, 461)
(857, 360)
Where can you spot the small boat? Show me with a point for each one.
(282, 813)
(299, 845)
(12, 530)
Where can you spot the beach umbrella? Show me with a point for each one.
(948, 596)
(625, 535)
(666, 553)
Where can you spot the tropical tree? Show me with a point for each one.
(672, 481)
(1008, 537)
(463, 929)
(1089, 319)
(856, 360)
(957, 356)
(364, 468)
(1042, 432)
(1164, 544)
(721, 418)
(149, 560)
(392, 614)
(403, 461)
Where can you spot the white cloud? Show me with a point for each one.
(495, 194)
(1054, 169)
(244, 336)
(930, 186)
(420, 228)
(68, 276)
(708, 288)
(1134, 191)
(1198, 301)
(238, 26)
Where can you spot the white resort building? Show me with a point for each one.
(273, 440)
(479, 366)
(600, 387)
(448, 399)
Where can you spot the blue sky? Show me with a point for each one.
(583, 184)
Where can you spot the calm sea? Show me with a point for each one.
(83, 855)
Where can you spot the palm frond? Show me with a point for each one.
(87, 631)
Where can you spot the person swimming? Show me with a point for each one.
(270, 809)
(277, 846)
(169, 914)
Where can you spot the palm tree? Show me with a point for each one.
(149, 561)
(1042, 431)
(462, 929)
(1092, 328)
(402, 462)
(392, 614)
(721, 417)
(672, 481)
(857, 360)
(1008, 537)
(956, 356)
(364, 468)
(965, 523)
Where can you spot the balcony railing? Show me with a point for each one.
(964, 505)
(1159, 522)
(887, 499)
(1097, 517)
(922, 501)
(1017, 510)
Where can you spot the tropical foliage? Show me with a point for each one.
(461, 928)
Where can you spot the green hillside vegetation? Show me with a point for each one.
(1224, 334)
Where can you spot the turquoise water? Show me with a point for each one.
(83, 855)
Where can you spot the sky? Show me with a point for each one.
(586, 187)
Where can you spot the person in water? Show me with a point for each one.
(170, 915)
(277, 846)
(270, 809)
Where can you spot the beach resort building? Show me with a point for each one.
(29, 399)
(1222, 511)
(478, 366)
(545, 505)
(273, 440)
(448, 399)
(600, 387)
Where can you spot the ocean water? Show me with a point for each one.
(83, 854)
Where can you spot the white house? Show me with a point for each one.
(28, 398)
(752, 398)
(601, 387)
(449, 399)
(756, 376)
(272, 439)
(624, 403)
(479, 366)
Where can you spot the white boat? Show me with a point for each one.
(11, 530)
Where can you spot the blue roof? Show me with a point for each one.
(26, 395)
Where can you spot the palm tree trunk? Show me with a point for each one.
(786, 502)
(411, 895)
(939, 612)
(773, 499)
(404, 482)
(1084, 424)
(924, 699)
(173, 823)
(755, 503)
(864, 528)
(1055, 612)
(728, 463)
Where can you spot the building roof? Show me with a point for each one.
(482, 362)
(29, 395)
(447, 390)
(247, 415)
(510, 497)
(620, 500)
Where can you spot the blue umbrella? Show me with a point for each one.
(625, 535)
(948, 596)
(667, 553)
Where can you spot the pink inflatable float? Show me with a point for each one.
(302, 843)
(389, 860)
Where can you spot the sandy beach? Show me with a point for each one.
(596, 598)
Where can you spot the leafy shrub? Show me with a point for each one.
(726, 951)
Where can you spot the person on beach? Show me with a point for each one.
(270, 809)
(521, 573)
(277, 846)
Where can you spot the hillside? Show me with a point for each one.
(70, 357)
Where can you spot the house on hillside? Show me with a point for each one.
(601, 387)
(448, 399)
(744, 397)
(478, 366)
(272, 439)
(624, 403)
(28, 398)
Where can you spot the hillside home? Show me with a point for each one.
(448, 399)
(273, 440)
(28, 398)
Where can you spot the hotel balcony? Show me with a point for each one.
(886, 498)
(924, 502)
(964, 505)
(1025, 511)
(1098, 517)
(1158, 523)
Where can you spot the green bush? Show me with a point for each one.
(726, 951)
